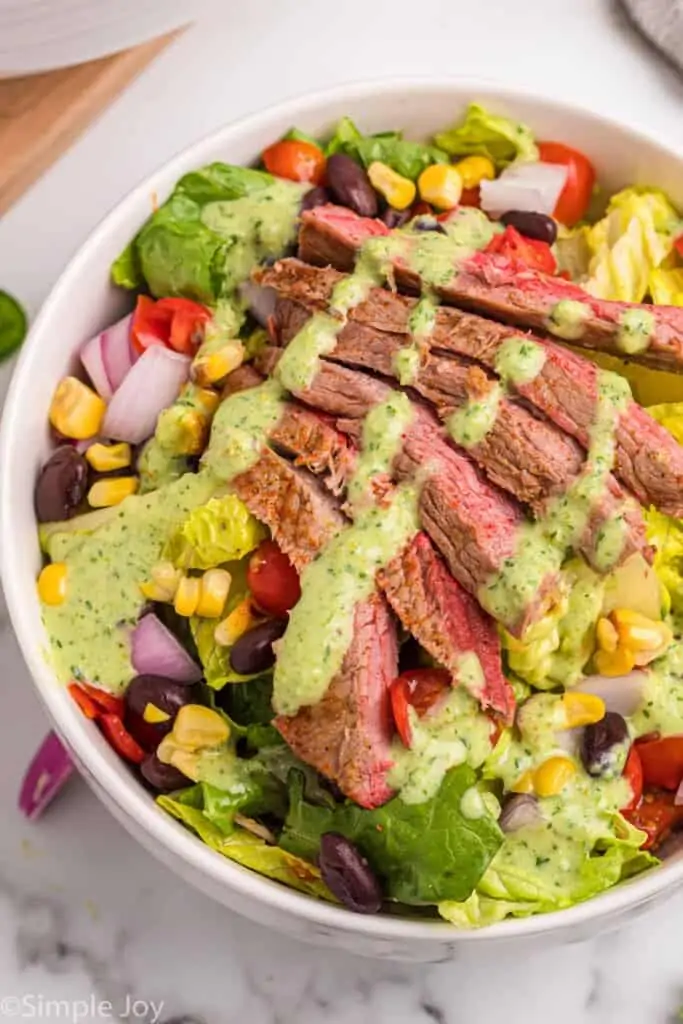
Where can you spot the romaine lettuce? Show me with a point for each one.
(407, 158)
(666, 287)
(499, 138)
(423, 853)
(222, 530)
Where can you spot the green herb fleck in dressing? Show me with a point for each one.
(383, 431)
(321, 625)
(567, 319)
(635, 331)
(470, 424)
(240, 429)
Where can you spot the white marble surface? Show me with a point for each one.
(86, 915)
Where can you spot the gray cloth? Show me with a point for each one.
(662, 22)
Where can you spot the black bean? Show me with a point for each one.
(163, 693)
(428, 223)
(532, 225)
(61, 485)
(604, 746)
(350, 185)
(395, 218)
(162, 777)
(253, 652)
(348, 875)
(317, 196)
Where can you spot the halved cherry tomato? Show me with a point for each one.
(633, 773)
(419, 688)
(296, 160)
(656, 815)
(576, 194)
(118, 737)
(272, 579)
(471, 196)
(678, 245)
(87, 706)
(662, 761)
(530, 251)
(173, 322)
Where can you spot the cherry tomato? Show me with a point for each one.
(533, 253)
(104, 701)
(296, 160)
(118, 737)
(662, 761)
(173, 322)
(419, 688)
(421, 209)
(633, 773)
(471, 196)
(87, 706)
(678, 245)
(576, 194)
(272, 579)
(656, 815)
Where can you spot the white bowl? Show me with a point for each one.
(81, 303)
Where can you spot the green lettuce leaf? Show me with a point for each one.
(405, 157)
(125, 270)
(422, 853)
(223, 530)
(250, 851)
(486, 134)
(633, 238)
(296, 135)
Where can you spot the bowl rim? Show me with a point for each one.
(126, 798)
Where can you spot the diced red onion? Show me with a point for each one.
(151, 385)
(532, 187)
(569, 740)
(678, 799)
(623, 694)
(261, 301)
(93, 363)
(155, 651)
(519, 811)
(46, 775)
(117, 350)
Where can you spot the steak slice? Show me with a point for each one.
(648, 459)
(447, 622)
(521, 453)
(301, 516)
(503, 289)
(347, 735)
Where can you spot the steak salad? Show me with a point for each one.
(363, 532)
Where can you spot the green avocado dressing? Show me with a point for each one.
(662, 707)
(90, 631)
(470, 424)
(519, 361)
(321, 624)
(240, 429)
(383, 430)
(450, 734)
(636, 327)
(421, 323)
(567, 319)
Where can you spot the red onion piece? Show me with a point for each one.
(519, 811)
(532, 187)
(261, 301)
(678, 799)
(151, 385)
(117, 351)
(46, 775)
(155, 651)
(623, 694)
(93, 363)
(569, 740)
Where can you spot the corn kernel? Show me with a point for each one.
(639, 633)
(475, 169)
(197, 727)
(237, 622)
(553, 775)
(524, 784)
(617, 663)
(214, 593)
(398, 191)
(187, 596)
(76, 411)
(186, 761)
(440, 185)
(105, 493)
(52, 583)
(214, 366)
(193, 430)
(155, 715)
(104, 458)
(582, 709)
(208, 399)
(606, 635)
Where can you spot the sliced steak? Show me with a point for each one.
(648, 459)
(447, 621)
(503, 289)
(347, 735)
(301, 516)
